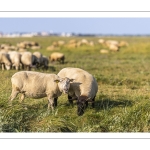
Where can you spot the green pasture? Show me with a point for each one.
(122, 103)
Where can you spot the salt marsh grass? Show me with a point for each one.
(122, 103)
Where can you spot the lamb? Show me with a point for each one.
(56, 56)
(38, 85)
(15, 58)
(83, 89)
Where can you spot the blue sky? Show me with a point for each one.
(93, 25)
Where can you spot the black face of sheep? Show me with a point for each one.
(81, 105)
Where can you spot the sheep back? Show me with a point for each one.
(35, 84)
(84, 83)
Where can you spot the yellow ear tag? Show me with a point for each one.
(56, 81)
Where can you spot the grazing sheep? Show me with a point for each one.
(35, 47)
(61, 43)
(28, 60)
(101, 41)
(22, 50)
(38, 85)
(5, 61)
(15, 58)
(114, 48)
(104, 51)
(56, 56)
(91, 43)
(84, 41)
(38, 57)
(72, 41)
(123, 44)
(4, 51)
(22, 45)
(52, 48)
(45, 62)
(112, 42)
(83, 89)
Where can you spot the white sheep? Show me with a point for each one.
(5, 61)
(112, 42)
(28, 60)
(104, 51)
(83, 89)
(15, 58)
(56, 56)
(38, 85)
(114, 48)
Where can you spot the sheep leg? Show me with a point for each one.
(28, 68)
(46, 67)
(17, 67)
(70, 100)
(55, 101)
(86, 104)
(93, 104)
(3, 67)
(22, 66)
(13, 96)
(22, 97)
(51, 103)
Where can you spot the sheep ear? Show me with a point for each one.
(56, 80)
(71, 80)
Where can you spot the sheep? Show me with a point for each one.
(28, 60)
(61, 43)
(38, 85)
(83, 89)
(22, 50)
(35, 47)
(15, 58)
(104, 51)
(52, 48)
(111, 42)
(123, 44)
(5, 61)
(38, 57)
(114, 48)
(22, 45)
(56, 56)
(101, 41)
(45, 62)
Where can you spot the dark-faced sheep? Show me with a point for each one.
(45, 62)
(38, 57)
(83, 89)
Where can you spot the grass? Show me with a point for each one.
(122, 102)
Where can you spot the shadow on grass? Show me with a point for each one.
(109, 104)
(70, 62)
(51, 68)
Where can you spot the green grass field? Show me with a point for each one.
(122, 103)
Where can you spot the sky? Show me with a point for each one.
(117, 26)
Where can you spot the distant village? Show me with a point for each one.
(63, 34)
(34, 34)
